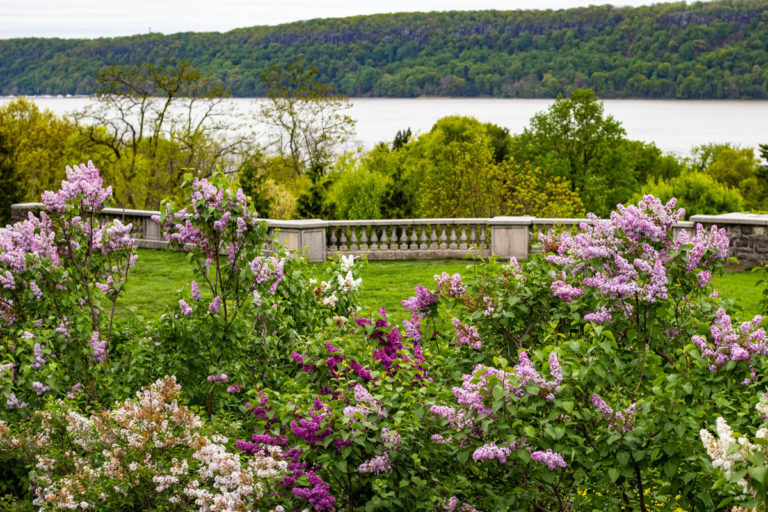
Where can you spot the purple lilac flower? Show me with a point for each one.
(564, 291)
(196, 291)
(600, 316)
(186, 310)
(527, 375)
(13, 402)
(621, 421)
(235, 388)
(299, 358)
(36, 290)
(491, 451)
(73, 391)
(84, 183)
(450, 286)
(377, 465)
(730, 345)
(553, 460)
(467, 335)
(704, 277)
(318, 495)
(360, 371)
(215, 306)
(99, 348)
(40, 388)
(421, 303)
(412, 327)
(391, 437)
(39, 360)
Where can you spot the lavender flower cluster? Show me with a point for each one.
(627, 257)
(729, 344)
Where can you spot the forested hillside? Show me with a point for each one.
(703, 50)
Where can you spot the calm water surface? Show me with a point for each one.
(674, 125)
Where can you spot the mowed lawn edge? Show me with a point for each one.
(159, 277)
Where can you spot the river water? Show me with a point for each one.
(675, 126)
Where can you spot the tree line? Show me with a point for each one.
(151, 126)
(703, 50)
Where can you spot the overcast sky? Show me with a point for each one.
(107, 18)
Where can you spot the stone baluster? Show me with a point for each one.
(393, 239)
(364, 239)
(414, 238)
(343, 247)
(383, 243)
(333, 247)
(404, 238)
(423, 239)
(463, 238)
(453, 244)
(353, 238)
(433, 238)
(374, 245)
(443, 239)
(483, 239)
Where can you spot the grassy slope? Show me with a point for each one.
(159, 276)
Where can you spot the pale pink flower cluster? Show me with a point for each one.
(24, 243)
(553, 460)
(376, 465)
(366, 404)
(150, 450)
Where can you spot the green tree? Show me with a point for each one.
(575, 140)
(10, 181)
(452, 170)
(252, 177)
(359, 194)
(37, 142)
(312, 203)
(737, 168)
(697, 192)
(529, 191)
(158, 121)
(307, 116)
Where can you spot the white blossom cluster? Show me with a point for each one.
(729, 453)
(341, 283)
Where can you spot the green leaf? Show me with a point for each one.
(759, 473)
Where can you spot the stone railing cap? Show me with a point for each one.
(732, 218)
(296, 224)
(408, 222)
(512, 221)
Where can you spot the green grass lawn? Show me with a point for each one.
(159, 276)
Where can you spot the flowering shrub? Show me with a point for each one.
(58, 269)
(620, 350)
(147, 453)
(742, 459)
(352, 414)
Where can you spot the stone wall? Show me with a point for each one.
(395, 239)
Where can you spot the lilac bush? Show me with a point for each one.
(62, 271)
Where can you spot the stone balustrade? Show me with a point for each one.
(396, 239)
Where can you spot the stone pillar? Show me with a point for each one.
(509, 236)
(300, 235)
